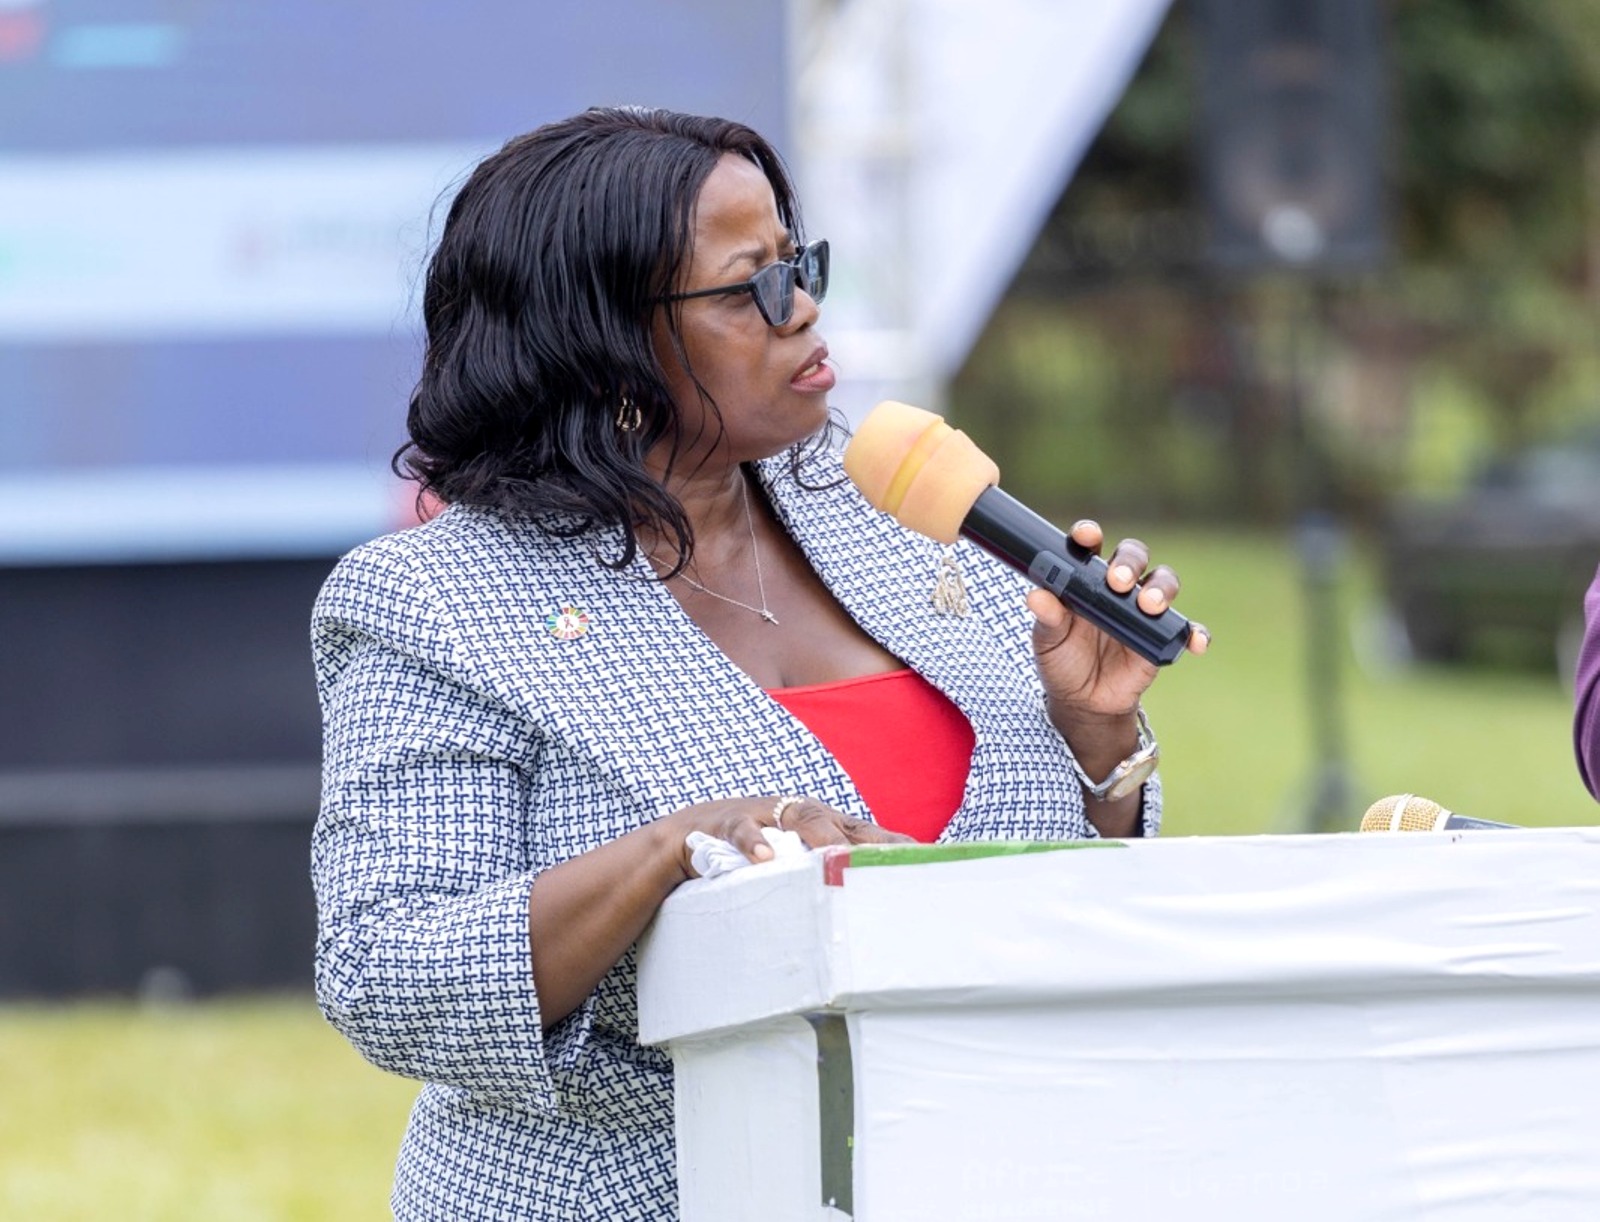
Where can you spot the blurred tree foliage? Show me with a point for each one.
(1122, 374)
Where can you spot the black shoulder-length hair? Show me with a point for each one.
(538, 303)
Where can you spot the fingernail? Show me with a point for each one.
(1122, 575)
(1202, 638)
(1152, 599)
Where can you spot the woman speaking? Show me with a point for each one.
(651, 605)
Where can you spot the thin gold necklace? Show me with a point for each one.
(755, 552)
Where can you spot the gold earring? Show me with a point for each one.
(628, 415)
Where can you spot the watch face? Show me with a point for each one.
(1137, 773)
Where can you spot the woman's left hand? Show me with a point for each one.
(1092, 681)
(1083, 669)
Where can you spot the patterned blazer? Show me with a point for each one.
(467, 747)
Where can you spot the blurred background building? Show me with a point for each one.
(1328, 265)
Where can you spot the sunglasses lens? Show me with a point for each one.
(773, 288)
(813, 270)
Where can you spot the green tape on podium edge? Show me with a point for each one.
(863, 855)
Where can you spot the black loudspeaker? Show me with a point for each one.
(1293, 132)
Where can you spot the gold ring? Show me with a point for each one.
(781, 805)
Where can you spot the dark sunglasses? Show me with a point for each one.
(773, 286)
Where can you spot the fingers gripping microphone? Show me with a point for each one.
(1408, 813)
(932, 479)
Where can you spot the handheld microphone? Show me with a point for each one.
(932, 479)
(1408, 813)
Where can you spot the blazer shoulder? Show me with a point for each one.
(412, 569)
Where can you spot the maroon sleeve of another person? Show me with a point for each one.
(1586, 723)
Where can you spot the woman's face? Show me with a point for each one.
(769, 383)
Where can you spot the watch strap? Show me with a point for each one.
(1130, 773)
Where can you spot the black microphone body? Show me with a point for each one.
(1455, 822)
(1010, 531)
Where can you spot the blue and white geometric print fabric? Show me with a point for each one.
(494, 702)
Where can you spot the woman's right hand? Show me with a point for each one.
(741, 821)
(585, 912)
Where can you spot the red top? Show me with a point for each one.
(904, 744)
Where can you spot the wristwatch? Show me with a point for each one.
(1130, 773)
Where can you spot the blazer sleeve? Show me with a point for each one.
(419, 857)
(1586, 719)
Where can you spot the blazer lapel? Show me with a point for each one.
(884, 576)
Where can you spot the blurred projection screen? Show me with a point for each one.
(213, 224)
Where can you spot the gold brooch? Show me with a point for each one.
(950, 589)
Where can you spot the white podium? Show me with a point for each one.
(1346, 1027)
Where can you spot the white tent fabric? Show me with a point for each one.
(933, 138)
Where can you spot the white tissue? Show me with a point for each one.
(709, 857)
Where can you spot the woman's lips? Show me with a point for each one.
(817, 376)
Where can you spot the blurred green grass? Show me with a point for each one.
(226, 1111)
(256, 1109)
(1236, 726)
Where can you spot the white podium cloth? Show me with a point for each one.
(1319, 1027)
